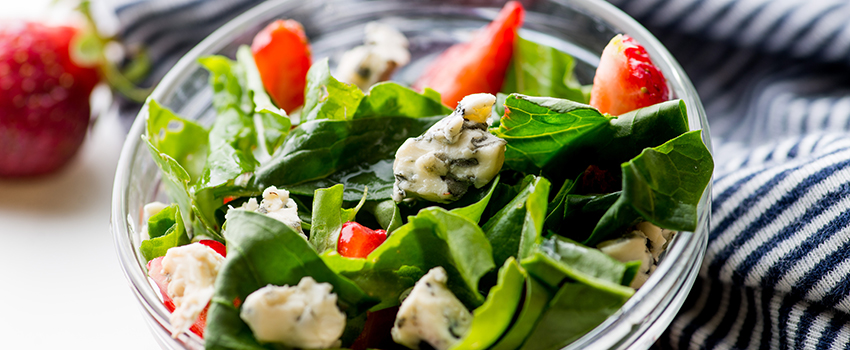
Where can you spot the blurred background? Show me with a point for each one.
(60, 281)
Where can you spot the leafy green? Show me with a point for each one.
(433, 238)
(537, 296)
(272, 123)
(356, 153)
(575, 309)
(263, 251)
(391, 99)
(562, 137)
(184, 141)
(327, 218)
(328, 98)
(166, 230)
(179, 148)
(517, 227)
(662, 185)
(543, 132)
(540, 70)
(558, 258)
(227, 79)
(492, 318)
(476, 209)
(645, 127)
(386, 212)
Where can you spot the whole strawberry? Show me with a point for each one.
(44, 98)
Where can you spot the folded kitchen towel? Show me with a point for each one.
(774, 76)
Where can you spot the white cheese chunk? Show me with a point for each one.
(384, 50)
(454, 153)
(303, 316)
(276, 204)
(190, 271)
(431, 314)
(645, 243)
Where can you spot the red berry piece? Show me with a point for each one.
(626, 79)
(282, 55)
(44, 98)
(215, 245)
(357, 241)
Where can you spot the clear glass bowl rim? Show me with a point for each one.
(635, 326)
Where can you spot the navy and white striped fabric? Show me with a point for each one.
(774, 76)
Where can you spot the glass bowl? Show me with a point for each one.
(581, 28)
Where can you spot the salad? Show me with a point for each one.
(496, 203)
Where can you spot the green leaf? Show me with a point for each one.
(662, 185)
(540, 70)
(492, 318)
(392, 99)
(476, 209)
(272, 123)
(328, 98)
(166, 230)
(263, 251)
(387, 214)
(537, 297)
(646, 127)
(227, 80)
(517, 227)
(327, 218)
(575, 310)
(433, 238)
(543, 132)
(356, 153)
(182, 140)
(558, 258)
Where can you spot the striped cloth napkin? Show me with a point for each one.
(774, 76)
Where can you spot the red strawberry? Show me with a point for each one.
(44, 98)
(357, 241)
(626, 79)
(282, 55)
(478, 65)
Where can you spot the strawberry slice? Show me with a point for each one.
(155, 273)
(478, 65)
(626, 79)
(282, 55)
(357, 241)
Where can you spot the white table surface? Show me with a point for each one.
(60, 283)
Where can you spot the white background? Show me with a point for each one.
(60, 283)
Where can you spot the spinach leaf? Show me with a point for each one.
(558, 258)
(543, 132)
(182, 140)
(179, 148)
(272, 123)
(356, 153)
(492, 318)
(575, 309)
(392, 99)
(474, 210)
(387, 214)
(433, 238)
(327, 220)
(328, 98)
(662, 185)
(537, 297)
(646, 127)
(166, 230)
(516, 228)
(263, 251)
(540, 70)
(227, 80)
